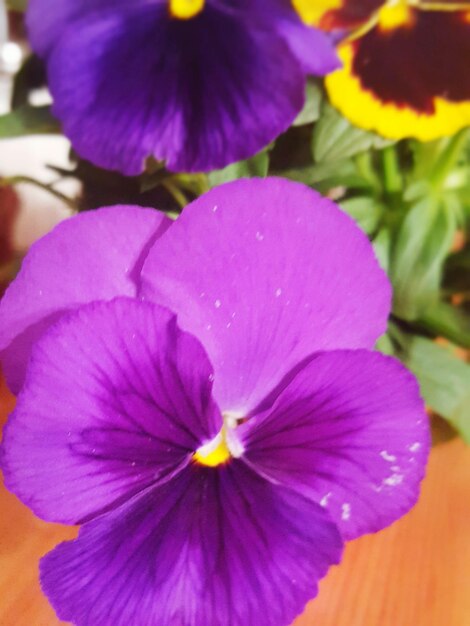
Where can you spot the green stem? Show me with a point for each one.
(393, 180)
(448, 159)
(366, 170)
(15, 180)
(176, 193)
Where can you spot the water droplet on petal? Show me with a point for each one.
(324, 500)
(393, 480)
(388, 457)
(345, 511)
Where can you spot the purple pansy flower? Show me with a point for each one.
(197, 84)
(203, 397)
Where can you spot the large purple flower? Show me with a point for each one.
(198, 84)
(202, 396)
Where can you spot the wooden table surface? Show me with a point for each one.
(416, 573)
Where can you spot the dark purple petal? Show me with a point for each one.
(116, 398)
(92, 256)
(264, 273)
(197, 93)
(350, 430)
(48, 19)
(221, 547)
(314, 50)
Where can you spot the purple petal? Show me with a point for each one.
(314, 50)
(117, 398)
(92, 256)
(221, 547)
(264, 273)
(47, 19)
(350, 430)
(198, 93)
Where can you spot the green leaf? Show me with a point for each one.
(382, 244)
(299, 174)
(311, 111)
(335, 138)
(444, 381)
(338, 174)
(422, 244)
(28, 120)
(256, 166)
(444, 320)
(384, 344)
(366, 211)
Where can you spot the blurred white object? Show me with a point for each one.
(5, 79)
(3, 24)
(11, 56)
(40, 211)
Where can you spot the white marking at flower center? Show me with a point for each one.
(233, 443)
(231, 419)
(388, 457)
(210, 446)
(345, 511)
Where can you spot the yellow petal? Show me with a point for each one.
(364, 109)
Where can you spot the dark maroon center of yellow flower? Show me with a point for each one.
(413, 64)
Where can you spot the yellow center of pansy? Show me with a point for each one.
(311, 11)
(397, 14)
(213, 453)
(186, 9)
(223, 447)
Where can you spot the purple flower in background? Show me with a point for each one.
(203, 397)
(197, 84)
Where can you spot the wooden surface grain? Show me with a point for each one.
(416, 573)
